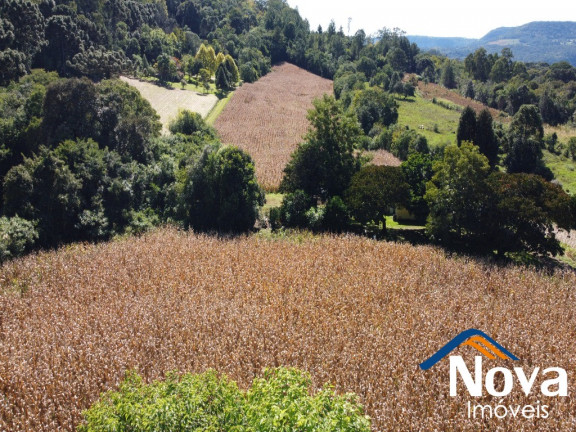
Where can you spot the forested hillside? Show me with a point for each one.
(535, 42)
(68, 123)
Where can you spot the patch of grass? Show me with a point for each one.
(569, 257)
(272, 200)
(218, 108)
(564, 132)
(564, 170)
(392, 224)
(436, 123)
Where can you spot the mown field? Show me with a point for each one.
(436, 123)
(168, 101)
(355, 312)
(268, 118)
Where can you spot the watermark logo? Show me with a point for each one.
(498, 381)
(476, 339)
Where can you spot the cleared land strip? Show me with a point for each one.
(167, 101)
(268, 118)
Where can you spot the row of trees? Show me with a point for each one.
(467, 203)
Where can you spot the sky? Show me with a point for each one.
(472, 19)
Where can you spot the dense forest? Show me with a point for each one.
(82, 157)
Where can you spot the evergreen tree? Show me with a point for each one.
(223, 77)
(221, 192)
(232, 68)
(467, 126)
(486, 139)
(448, 76)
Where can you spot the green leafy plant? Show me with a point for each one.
(280, 400)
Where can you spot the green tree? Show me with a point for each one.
(324, 163)
(166, 68)
(527, 123)
(22, 28)
(70, 110)
(524, 155)
(528, 208)
(525, 142)
(336, 216)
(502, 70)
(448, 75)
(206, 56)
(418, 172)
(205, 78)
(478, 65)
(294, 207)
(374, 106)
(459, 199)
(190, 123)
(466, 126)
(486, 139)
(374, 192)
(44, 189)
(17, 236)
(232, 68)
(12, 65)
(98, 64)
(223, 77)
(221, 192)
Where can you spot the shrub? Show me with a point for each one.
(281, 400)
(294, 208)
(17, 236)
(336, 216)
(190, 123)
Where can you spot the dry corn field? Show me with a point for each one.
(355, 312)
(384, 157)
(268, 118)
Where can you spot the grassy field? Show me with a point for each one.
(564, 170)
(268, 118)
(168, 101)
(564, 132)
(218, 108)
(358, 313)
(433, 121)
(435, 91)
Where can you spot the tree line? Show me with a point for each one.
(85, 161)
(465, 200)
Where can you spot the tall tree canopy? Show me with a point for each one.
(324, 163)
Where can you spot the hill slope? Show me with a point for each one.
(539, 41)
(268, 118)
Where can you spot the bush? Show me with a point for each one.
(294, 208)
(17, 236)
(281, 400)
(336, 216)
(190, 123)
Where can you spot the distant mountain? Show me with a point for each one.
(539, 41)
